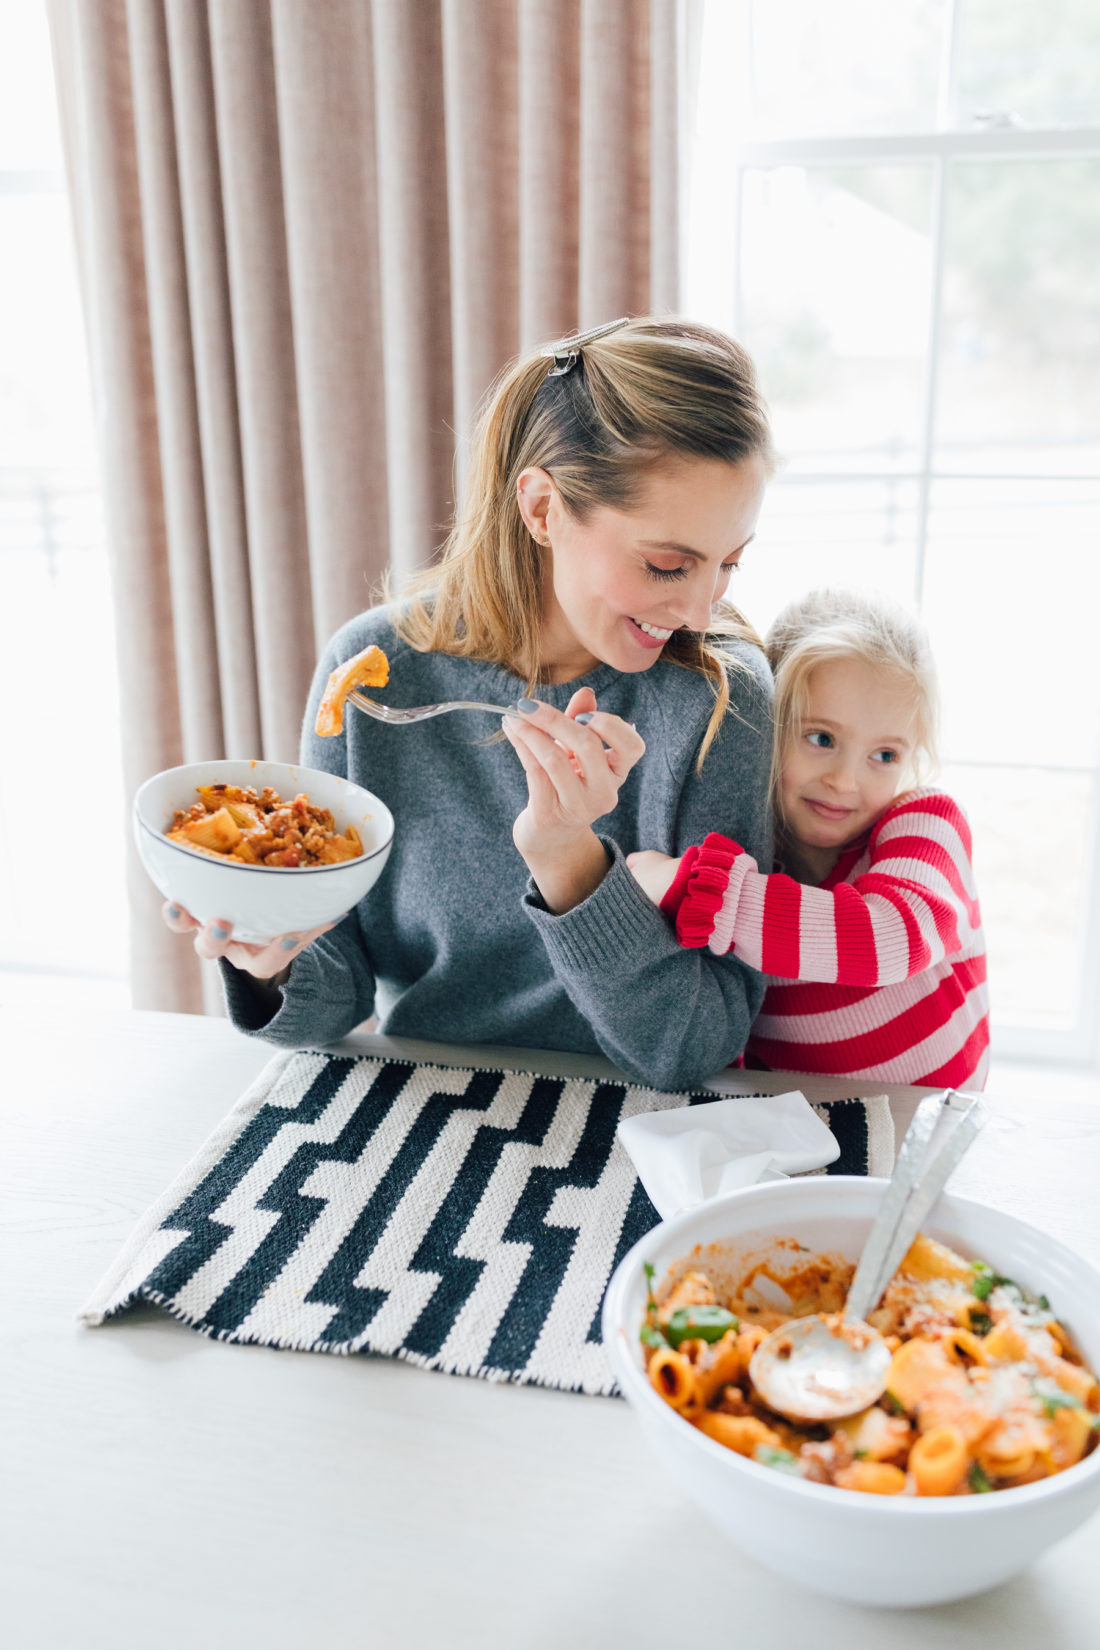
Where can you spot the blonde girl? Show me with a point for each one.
(870, 935)
(615, 481)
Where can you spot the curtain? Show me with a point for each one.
(309, 237)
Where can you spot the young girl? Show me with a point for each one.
(873, 941)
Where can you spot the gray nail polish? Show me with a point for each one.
(174, 913)
(585, 717)
(289, 942)
(219, 931)
(527, 706)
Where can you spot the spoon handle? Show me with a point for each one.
(917, 1182)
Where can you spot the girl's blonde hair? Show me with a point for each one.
(846, 624)
(650, 391)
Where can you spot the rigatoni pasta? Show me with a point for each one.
(235, 822)
(370, 668)
(985, 1391)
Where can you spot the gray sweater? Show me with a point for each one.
(453, 942)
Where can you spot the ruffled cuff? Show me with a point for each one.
(675, 894)
(697, 919)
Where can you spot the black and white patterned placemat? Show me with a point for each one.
(466, 1220)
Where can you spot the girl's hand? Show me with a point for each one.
(574, 770)
(215, 939)
(654, 872)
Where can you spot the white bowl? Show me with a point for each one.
(870, 1549)
(260, 901)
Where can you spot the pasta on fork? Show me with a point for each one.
(370, 668)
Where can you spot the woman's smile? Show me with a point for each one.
(646, 634)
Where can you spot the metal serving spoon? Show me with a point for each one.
(822, 1367)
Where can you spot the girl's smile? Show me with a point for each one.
(825, 810)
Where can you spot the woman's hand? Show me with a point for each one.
(654, 872)
(574, 771)
(215, 940)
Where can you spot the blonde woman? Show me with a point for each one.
(612, 492)
(873, 943)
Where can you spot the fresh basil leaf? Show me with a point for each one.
(781, 1459)
(1051, 1396)
(892, 1404)
(983, 1286)
(699, 1323)
(980, 1322)
(650, 1336)
(978, 1481)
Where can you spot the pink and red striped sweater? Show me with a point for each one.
(879, 972)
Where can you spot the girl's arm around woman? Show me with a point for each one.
(909, 902)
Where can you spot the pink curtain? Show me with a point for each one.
(309, 237)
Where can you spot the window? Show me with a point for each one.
(62, 903)
(898, 210)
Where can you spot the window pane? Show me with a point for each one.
(61, 907)
(836, 273)
(1011, 592)
(63, 904)
(1040, 63)
(841, 533)
(29, 139)
(1032, 830)
(848, 66)
(1018, 388)
(45, 406)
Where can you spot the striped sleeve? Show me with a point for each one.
(913, 904)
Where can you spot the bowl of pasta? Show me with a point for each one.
(268, 846)
(982, 1451)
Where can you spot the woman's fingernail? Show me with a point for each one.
(289, 942)
(219, 931)
(528, 706)
(585, 717)
(174, 913)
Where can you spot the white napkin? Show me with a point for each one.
(691, 1153)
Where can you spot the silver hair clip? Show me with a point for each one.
(566, 352)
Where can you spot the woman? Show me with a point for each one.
(610, 497)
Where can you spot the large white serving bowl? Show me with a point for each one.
(260, 901)
(871, 1549)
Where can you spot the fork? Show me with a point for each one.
(420, 713)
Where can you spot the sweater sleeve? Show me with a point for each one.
(330, 987)
(670, 1018)
(914, 904)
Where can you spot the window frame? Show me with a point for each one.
(1000, 138)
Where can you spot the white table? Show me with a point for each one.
(162, 1491)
